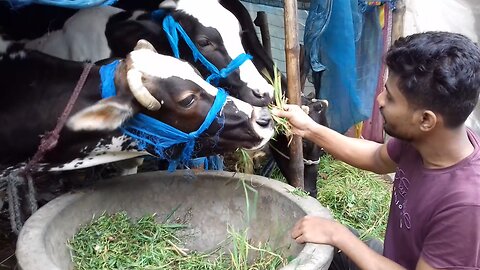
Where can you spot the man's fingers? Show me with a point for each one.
(300, 239)
(287, 108)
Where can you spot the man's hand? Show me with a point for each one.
(314, 229)
(299, 120)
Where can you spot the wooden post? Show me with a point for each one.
(292, 52)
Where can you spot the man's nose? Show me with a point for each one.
(381, 99)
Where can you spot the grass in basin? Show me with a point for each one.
(118, 242)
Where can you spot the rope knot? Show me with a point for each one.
(49, 141)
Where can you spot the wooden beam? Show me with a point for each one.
(262, 22)
(292, 52)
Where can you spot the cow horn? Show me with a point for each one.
(144, 44)
(325, 102)
(168, 4)
(134, 78)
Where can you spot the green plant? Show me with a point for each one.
(357, 198)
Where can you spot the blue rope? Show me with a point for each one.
(173, 28)
(107, 75)
(148, 131)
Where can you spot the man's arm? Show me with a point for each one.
(323, 231)
(363, 154)
(360, 153)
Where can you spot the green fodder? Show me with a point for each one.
(118, 242)
(281, 124)
(357, 198)
(244, 162)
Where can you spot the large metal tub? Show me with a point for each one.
(212, 201)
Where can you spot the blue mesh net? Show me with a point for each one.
(344, 46)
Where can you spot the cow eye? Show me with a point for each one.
(204, 42)
(188, 101)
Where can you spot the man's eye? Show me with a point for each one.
(188, 101)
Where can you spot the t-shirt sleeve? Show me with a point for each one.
(453, 241)
(394, 149)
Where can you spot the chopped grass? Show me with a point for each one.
(357, 198)
(117, 242)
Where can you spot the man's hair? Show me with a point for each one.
(438, 71)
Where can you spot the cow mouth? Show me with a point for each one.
(263, 125)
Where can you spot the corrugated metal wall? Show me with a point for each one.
(277, 31)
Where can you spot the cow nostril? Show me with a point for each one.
(264, 120)
(257, 93)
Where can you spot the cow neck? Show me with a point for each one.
(174, 30)
(150, 132)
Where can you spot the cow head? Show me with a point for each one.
(171, 91)
(216, 34)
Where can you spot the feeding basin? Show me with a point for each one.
(212, 201)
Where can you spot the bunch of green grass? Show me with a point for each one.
(281, 124)
(356, 198)
(117, 242)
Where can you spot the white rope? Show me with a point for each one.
(305, 161)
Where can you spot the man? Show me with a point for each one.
(434, 219)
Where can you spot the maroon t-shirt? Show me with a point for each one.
(434, 213)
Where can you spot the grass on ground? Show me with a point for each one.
(356, 198)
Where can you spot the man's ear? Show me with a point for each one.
(428, 120)
(105, 115)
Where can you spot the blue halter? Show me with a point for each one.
(148, 131)
(173, 28)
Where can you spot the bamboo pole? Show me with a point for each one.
(292, 52)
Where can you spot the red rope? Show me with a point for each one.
(50, 139)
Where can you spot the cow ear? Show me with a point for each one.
(105, 115)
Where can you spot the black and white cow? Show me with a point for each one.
(35, 89)
(97, 33)
(212, 29)
(316, 108)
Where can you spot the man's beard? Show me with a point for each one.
(393, 133)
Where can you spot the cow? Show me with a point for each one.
(97, 33)
(123, 28)
(316, 108)
(159, 88)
